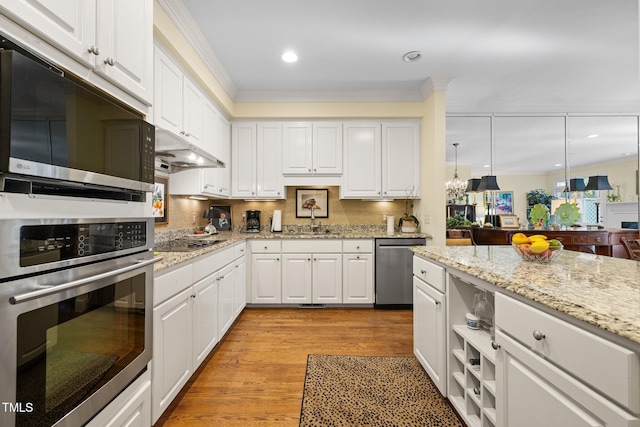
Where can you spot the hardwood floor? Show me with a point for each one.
(256, 375)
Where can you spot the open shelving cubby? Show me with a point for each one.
(472, 388)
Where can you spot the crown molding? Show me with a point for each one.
(331, 96)
(177, 12)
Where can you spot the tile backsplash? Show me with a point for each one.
(187, 213)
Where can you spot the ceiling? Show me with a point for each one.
(492, 56)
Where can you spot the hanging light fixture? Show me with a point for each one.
(456, 188)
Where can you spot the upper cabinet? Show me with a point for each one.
(312, 148)
(178, 103)
(381, 160)
(256, 160)
(113, 38)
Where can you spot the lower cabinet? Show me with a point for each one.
(191, 318)
(429, 339)
(132, 407)
(172, 349)
(533, 392)
(357, 271)
(265, 278)
(530, 369)
(312, 278)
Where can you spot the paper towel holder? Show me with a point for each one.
(276, 221)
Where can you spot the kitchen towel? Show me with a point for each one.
(391, 224)
(276, 222)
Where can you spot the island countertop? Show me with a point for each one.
(600, 290)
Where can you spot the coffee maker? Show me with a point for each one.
(253, 222)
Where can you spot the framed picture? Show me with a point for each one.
(308, 199)
(160, 200)
(509, 221)
(503, 202)
(221, 217)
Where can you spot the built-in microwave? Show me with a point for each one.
(54, 127)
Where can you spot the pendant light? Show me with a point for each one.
(489, 182)
(456, 188)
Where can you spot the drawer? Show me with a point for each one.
(320, 246)
(265, 246)
(171, 283)
(429, 272)
(239, 250)
(599, 240)
(605, 366)
(210, 263)
(357, 246)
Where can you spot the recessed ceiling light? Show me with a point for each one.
(558, 165)
(486, 166)
(595, 135)
(412, 56)
(289, 57)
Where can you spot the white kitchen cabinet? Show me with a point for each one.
(400, 159)
(429, 327)
(114, 38)
(362, 176)
(296, 278)
(178, 102)
(172, 349)
(239, 286)
(327, 279)
(381, 160)
(266, 278)
(357, 271)
(190, 318)
(312, 148)
(223, 148)
(257, 161)
(534, 392)
(226, 294)
(312, 271)
(131, 408)
(199, 181)
(205, 317)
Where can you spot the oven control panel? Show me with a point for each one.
(41, 244)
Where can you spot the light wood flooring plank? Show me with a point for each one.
(255, 376)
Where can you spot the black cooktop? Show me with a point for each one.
(185, 245)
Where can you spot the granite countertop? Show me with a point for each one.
(170, 259)
(600, 290)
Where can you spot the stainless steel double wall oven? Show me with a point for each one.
(75, 316)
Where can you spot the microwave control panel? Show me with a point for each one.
(41, 244)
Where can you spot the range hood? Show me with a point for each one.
(174, 154)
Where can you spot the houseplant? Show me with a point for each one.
(408, 223)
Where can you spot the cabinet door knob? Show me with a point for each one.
(423, 272)
(358, 257)
(538, 335)
(315, 170)
(309, 170)
(437, 302)
(109, 61)
(357, 247)
(495, 345)
(308, 259)
(265, 248)
(94, 50)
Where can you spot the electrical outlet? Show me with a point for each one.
(384, 217)
(193, 218)
(427, 218)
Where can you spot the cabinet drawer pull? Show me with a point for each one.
(538, 335)
(495, 345)
(94, 50)
(109, 61)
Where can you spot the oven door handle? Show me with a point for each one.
(52, 289)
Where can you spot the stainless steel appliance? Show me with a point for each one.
(253, 222)
(394, 271)
(75, 315)
(56, 128)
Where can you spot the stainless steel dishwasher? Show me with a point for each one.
(394, 271)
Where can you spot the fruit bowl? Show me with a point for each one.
(536, 248)
(544, 257)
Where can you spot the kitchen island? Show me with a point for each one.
(565, 336)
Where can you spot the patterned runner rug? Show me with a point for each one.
(371, 391)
